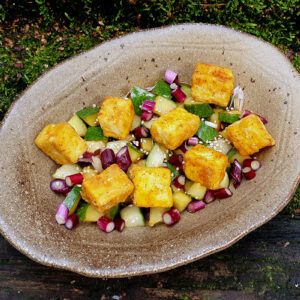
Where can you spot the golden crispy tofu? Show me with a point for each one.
(152, 187)
(212, 84)
(205, 166)
(249, 135)
(61, 143)
(107, 189)
(172, 129)
(115, 117)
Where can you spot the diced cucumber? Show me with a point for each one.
(203, 110)
(130, 138)
(146, 144)
(78, 125)
(220, 145)
(135, 153)
(229, 118)
(214, 118)
(224, 134)
(95, 145)
(89, 172)
(162, 89)
(181, 200)
(72, 200)
(225, 182)
(66, 170)
(240, 158)
(89, 115)
(95, 134)
(112, 212)
(197, 191)
(231, 153)
(186, 90)
(188, 184)
(132, 216)
(136, 122)
(174, 171)
(138, 96)
(175, 189)
(189, 100)
(156, 157)
(116, 145)
(156, 214)
(149, 123)
(206, 133)
(163, 105)
(87, 213)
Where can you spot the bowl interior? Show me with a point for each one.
(271, 88)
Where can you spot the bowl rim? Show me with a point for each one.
(121, 274)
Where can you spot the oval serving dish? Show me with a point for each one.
(271, 87)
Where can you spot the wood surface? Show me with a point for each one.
(263, 265)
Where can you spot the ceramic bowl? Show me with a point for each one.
(271, 87)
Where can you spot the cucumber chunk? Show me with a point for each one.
(136, 122)
(220, 145)
(156, 157)
(66, 170)
(138, 96)
(112, 212)
(163, 105)
(206, 133)
(203, 110)
(162, 89)
(95, 145)
(156, 214)
(72, 200)
(229, 118)
(95, 134)
(225, 182)
(132, 216)
(87, 112)
(181, 200)
(116, 145)
(78, 125)
(135, 153)
(197, 191)
(146, 144)
(186, 90)
(87, 213)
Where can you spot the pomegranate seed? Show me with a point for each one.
(176, 159)
(106, 224)
(141, 132)
(248, 173)
(119, 224)
(171, 217)
(107, 158)
(180, 168)
(179, 181)
(72, 221)
(223, 193)
(123, 159)
(74, 179)
(236, 171)
(195, 206)
(209, 196)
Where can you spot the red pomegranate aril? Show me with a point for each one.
(170, 76)
(195, 206)
(146, 116)
(107, 158)
(193, 141)
(59, 186)
(62, 213)
(148, 106)
(119, 224)
(248, 173)
(254, 164)
(72, 221)
(106, 224)
(123, 159)
(209, 196)
(179, 181)
(171, 217)
(180, 168)
(74, 179)
(176, 159)
(223, 193)
(236, 171)
(248, 112)
(141, 132)
(179, 95)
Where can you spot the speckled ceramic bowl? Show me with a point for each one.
(271, 88)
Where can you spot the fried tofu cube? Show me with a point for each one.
(205, 166)
(212, 84)
(61, 142)
(172, 129)
(249, 135)
(115, 117)
(152, 187)
(107, 189)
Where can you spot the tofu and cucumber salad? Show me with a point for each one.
(146, 158)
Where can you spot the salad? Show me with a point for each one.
(149, 156)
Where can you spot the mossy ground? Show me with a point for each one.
(36, 35)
